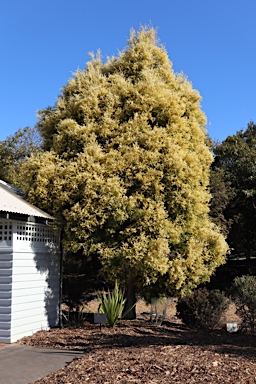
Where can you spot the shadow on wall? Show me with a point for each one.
(48, 263)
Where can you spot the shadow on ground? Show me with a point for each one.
(143, 334)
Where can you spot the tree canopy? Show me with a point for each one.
(126, 168)
(14, 150)
(235, 159)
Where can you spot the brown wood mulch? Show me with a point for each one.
(140, 352)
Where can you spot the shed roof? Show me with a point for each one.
(12, 202)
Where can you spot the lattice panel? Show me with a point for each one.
(5, 231)
(36, 233)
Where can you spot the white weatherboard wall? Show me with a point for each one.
(29, 279)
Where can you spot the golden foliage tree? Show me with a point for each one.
(126, 167)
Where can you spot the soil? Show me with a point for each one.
(138, 352)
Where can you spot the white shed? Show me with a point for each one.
(29, 268)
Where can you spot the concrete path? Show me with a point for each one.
(23, 365)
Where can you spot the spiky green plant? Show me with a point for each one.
(112, 304)
(73, 318)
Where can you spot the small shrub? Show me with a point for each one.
(203, 308)
(112, 304)
(73, 319)
(243, 292)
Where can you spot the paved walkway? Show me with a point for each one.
(23, 365)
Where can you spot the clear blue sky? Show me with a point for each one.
(212, 41)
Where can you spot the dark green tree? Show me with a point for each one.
(222, 193)
(235, 166)
(14, 150)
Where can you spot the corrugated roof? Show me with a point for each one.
(10, 202)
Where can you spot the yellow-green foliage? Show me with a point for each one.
(126, 167)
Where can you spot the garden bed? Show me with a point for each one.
(140, 352)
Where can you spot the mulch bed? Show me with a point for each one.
(139, 352)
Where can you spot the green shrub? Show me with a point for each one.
(243, 292)
(203, 308)
(73, 319)
(112, 304)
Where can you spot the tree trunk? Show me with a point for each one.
(248, 263)
(130, 301)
